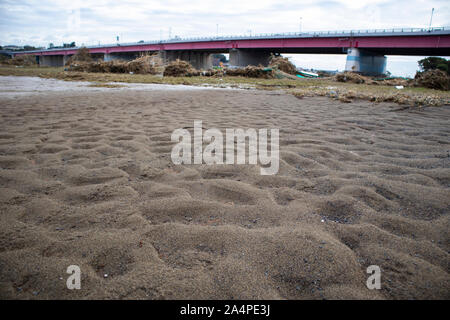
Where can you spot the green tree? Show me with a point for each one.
(221, 57)
(433, 63)
(28, 48)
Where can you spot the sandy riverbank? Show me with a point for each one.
(86, 179)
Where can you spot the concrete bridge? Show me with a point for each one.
(365, 49)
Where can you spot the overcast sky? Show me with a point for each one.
(39, 22)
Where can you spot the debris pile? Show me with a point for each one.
(251, 72)
(81, 55)
(283, 75)
(393, 82)
(22, 60)
(180, 68)
(416, 99)
(353, 78)
(433, 79)
(93, 66)
(325, 74)
(282, 64)
(145, 64)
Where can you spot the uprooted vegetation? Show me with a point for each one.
(145, 64)
(352, 77)
(251, 72)
(376, 94)
(357, 78)
(179, 68)
(82, 55)
(22, 60)
(152, 64)
(282, 64)
(433, 79)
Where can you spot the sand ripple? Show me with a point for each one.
(86, 179)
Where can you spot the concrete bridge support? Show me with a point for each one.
(65, 58)
(365, 62)
(127, 56)
(53, 61)
(198, 59)
(246, 57)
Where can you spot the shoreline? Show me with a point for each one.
(344, 92)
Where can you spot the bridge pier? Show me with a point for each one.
(246, 57)
(365, 62)
(53, 61)
(65, 58)
(198, 59)
(127, 56)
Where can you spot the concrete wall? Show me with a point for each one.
(198, 59)
(126, 56)
(246, 57)
(52, 61)
(364, 62)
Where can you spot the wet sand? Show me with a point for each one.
(86, 179)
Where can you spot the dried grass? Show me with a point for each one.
(283, 75)
(180, 68)
(251, 72)
(394, 82)
(282, 64)
(22, 60)
(145, 64)
(349, 95)
(82, 55)
(353, 78)
(433, 79)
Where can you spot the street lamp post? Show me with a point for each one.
(431, 18)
